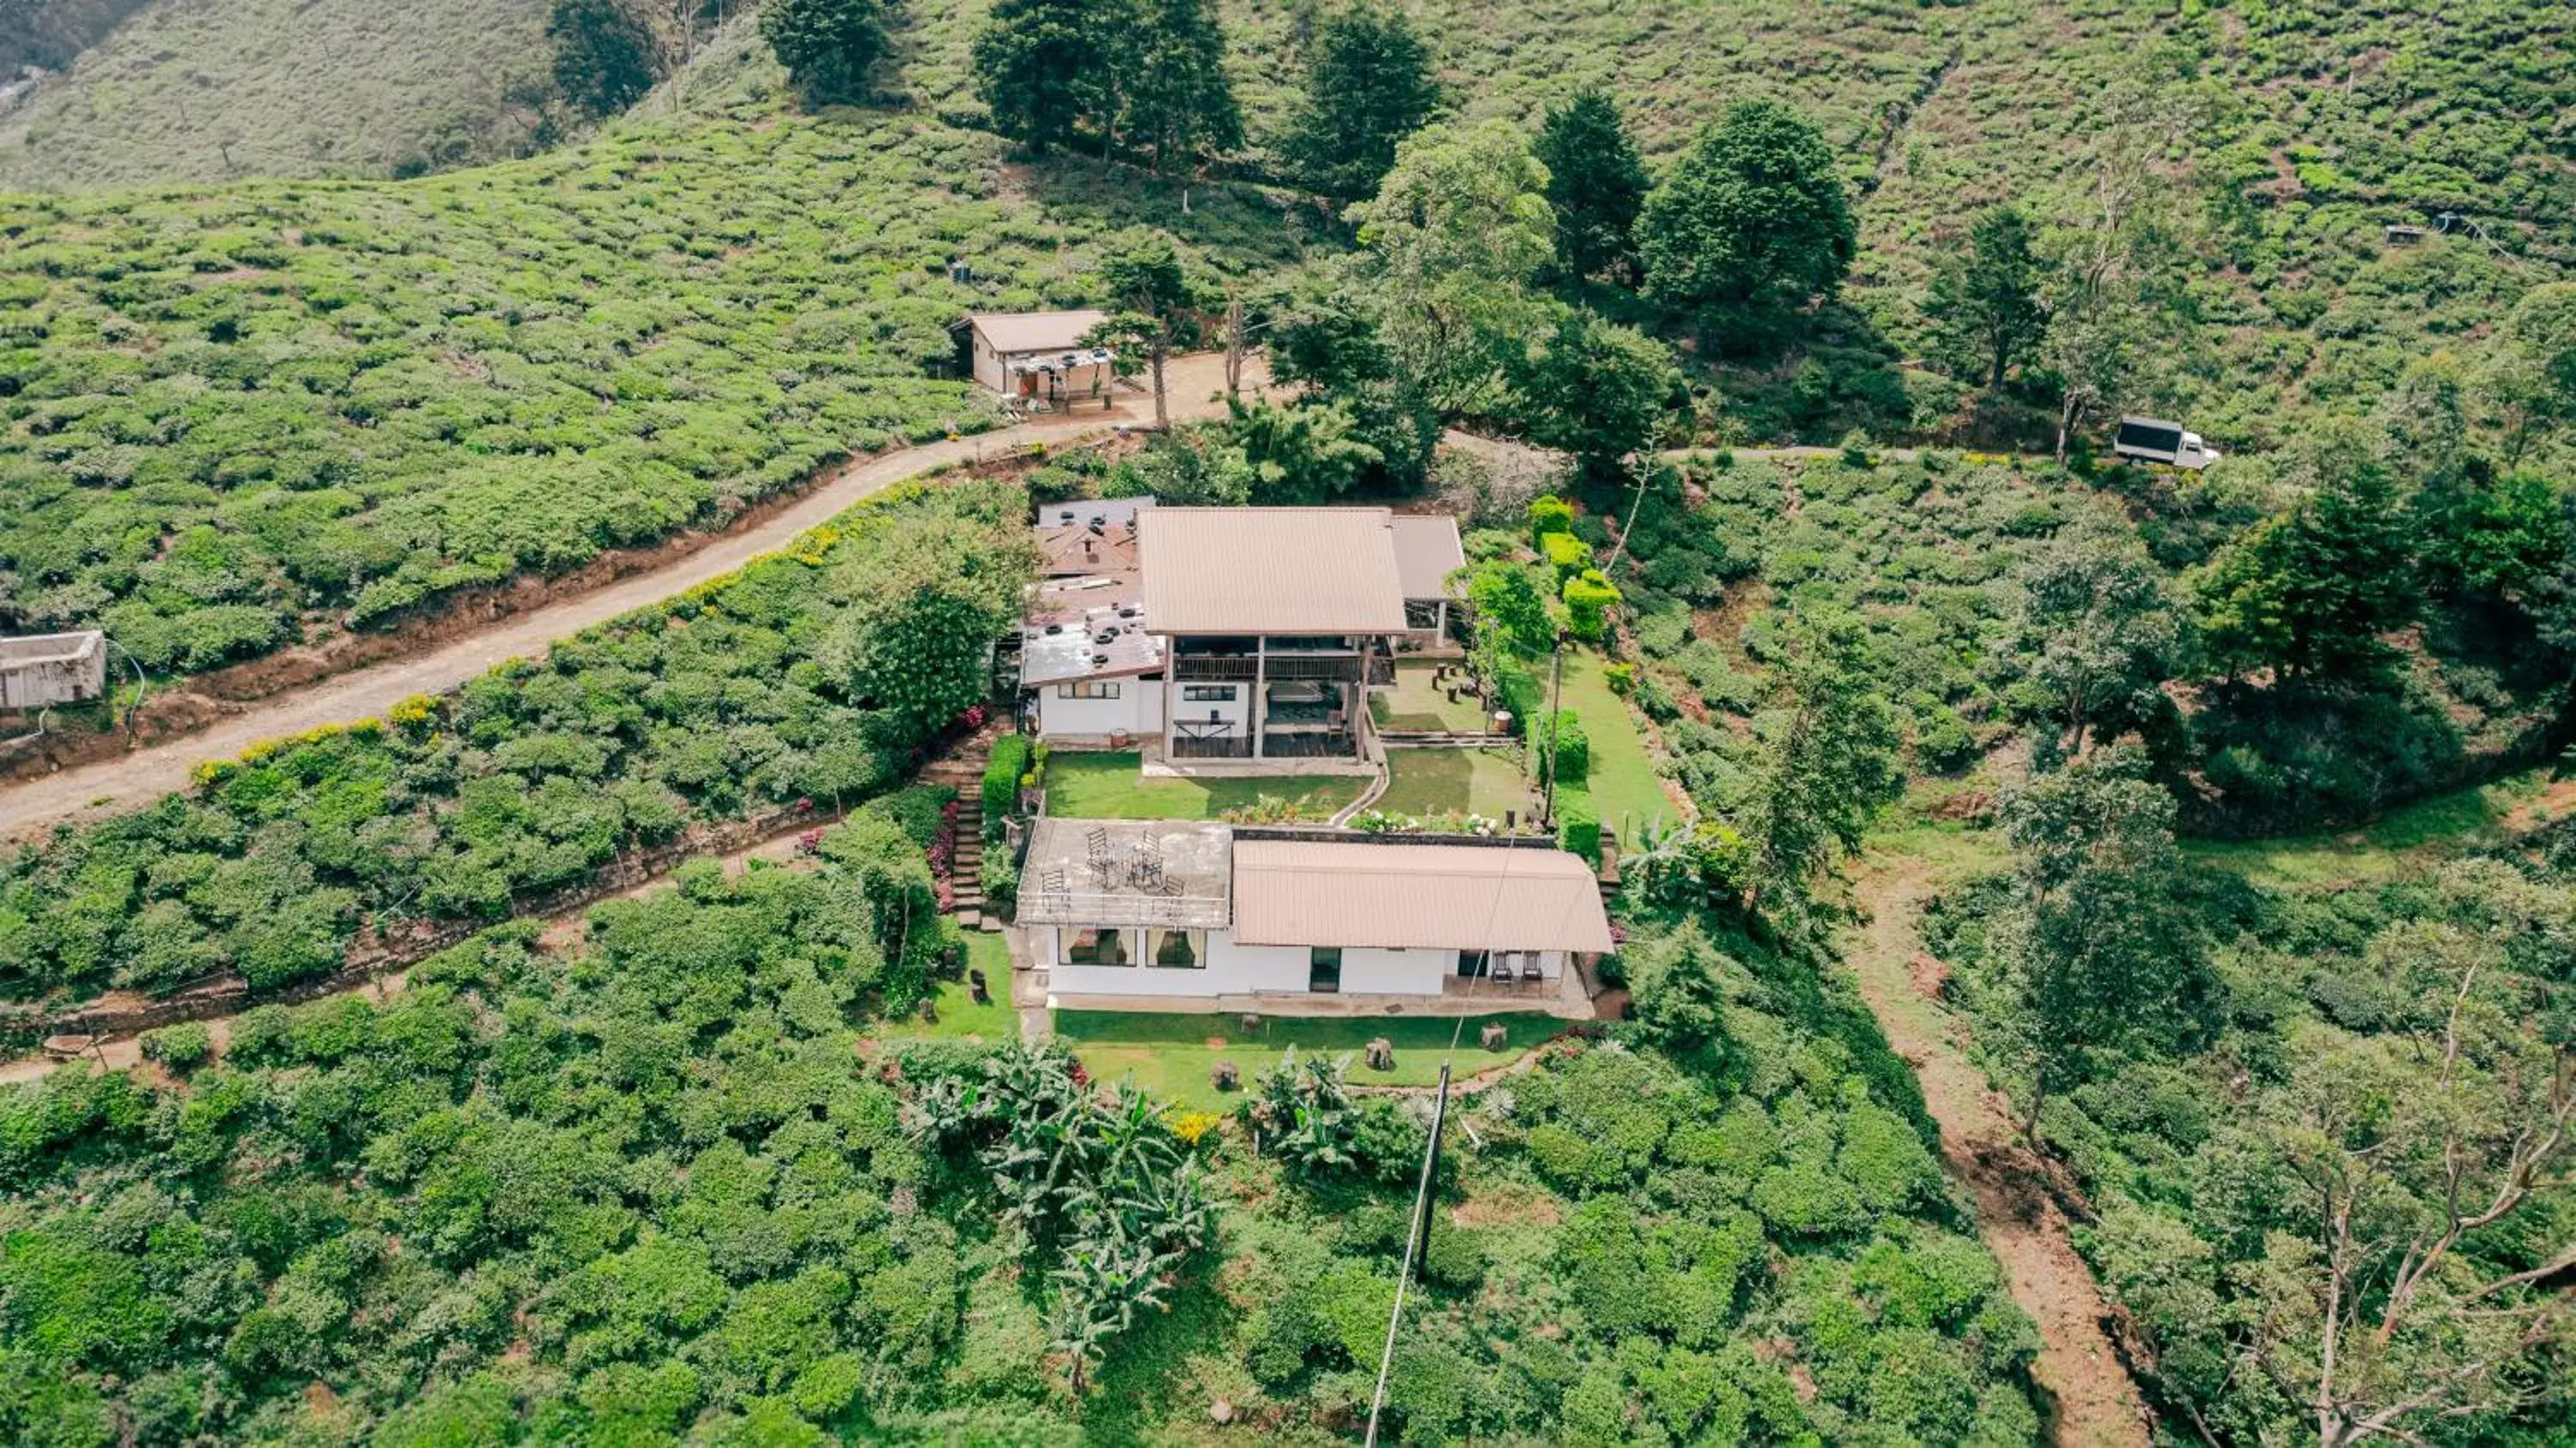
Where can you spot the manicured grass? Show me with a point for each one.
(1170, 1054)
(1623, 784)
(1433, 781)
(1108, 787)
(1414, 704)
(954, 1014)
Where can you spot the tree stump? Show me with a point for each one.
(1492, 1036)
(1381, 1054)
(1251, 1024)
(1225, 1076)
(975, 987)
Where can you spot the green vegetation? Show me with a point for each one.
(282, 88)
(1110, 786)
(828, 46)
(651, 1188)
(746, 696)
(2286, 1094)
(273, 411)
(1173, 1056)
(1429, 783)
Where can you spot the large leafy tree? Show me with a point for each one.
(1454, 234)
(2102, 634)
(1829, 765)
(1594, 389)
(1595, 182)
(1751, 220)
(2309, 592)
(1983, 305)
(828, 46)
(916, 640)
(2531, 384)
(1368, 86)
(1179, 101)
(1044, 68)
(2099, 948)
(604, 53)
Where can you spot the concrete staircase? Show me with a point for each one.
(962, 769)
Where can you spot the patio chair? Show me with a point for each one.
(1097, 842)
(1530, 972)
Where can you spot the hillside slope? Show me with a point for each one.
(244, 415)
(204, 90)
(251, 414)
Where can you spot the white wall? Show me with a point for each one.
(1137, 711)
(988, 364)
(1237, 713)
(1239, 970)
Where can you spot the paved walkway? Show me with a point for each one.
(1194, 385)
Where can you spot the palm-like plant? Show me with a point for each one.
(1095, 1182)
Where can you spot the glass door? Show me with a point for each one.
(1324, 969)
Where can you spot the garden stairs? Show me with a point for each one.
(961, 768)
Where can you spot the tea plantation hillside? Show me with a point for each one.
(2290, 133)
(243, 414)
(204, 90)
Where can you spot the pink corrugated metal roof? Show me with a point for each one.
(1405, 897)
(1035, 331)
(1270, 570)
(1427, 551)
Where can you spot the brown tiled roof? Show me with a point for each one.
(1426, 553)
(1270, 571)
(1035, 331)
(1404, 897)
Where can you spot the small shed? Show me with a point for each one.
(1037, 356)
(42, 670)
(2400, 234)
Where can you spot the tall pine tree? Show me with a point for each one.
(1368, 86)
(828, 46)
(604, 53)
(1597, 185)
(1046, 68)
(1983, 303)
(1179, 101)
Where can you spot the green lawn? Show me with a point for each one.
(954, 1014)
(1414, 704)
(1108, 787)
(1624, 783)
(1170, 1055)
(1431, 781)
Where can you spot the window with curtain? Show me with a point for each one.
(1176, 950)
(1096, 947)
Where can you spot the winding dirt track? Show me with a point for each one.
(2094, 1402)
(1195, 388)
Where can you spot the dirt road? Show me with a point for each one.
(1194, 386)
(2094, 1402)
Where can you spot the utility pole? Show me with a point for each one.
(1555, 707)
(1416, 1242)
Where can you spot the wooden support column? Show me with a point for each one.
(1254, 706)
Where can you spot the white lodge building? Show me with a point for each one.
(1160, 914)
(1210, 635)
